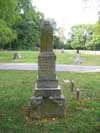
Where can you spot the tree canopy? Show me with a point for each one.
(85, 36)
(6, 33)
(20, 29)
(78, 36)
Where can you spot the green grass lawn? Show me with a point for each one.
(68, 57)
(83, 116)
(27, 57)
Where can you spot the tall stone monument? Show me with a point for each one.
(48, 99)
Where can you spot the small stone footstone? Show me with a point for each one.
(48, 99)
(77, 93)
(16, 56)
(70, 84)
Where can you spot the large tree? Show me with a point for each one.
(28, 26)
(8, 11)
(19, 24)
(96, 36)
(6, 34)
(8, 17)
(80, 36)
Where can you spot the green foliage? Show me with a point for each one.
(27, 27)
(8, 11)
(21, 30)
(85, 36)
(79, 36)
(28, 35)
(93, 38)
(6, 33)
(58, 44)
(96, 35)
(8, 17)
(89, 37)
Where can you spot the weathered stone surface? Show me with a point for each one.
(46, 65)
(46, 37)
(16, 56)
(47, 83)
(47, 92)
(47, 107)
(48, 99)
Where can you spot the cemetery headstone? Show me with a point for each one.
(48, 99)
(16, 56)
(62, 50)
(77, 59)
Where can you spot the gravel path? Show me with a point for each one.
(59, 67)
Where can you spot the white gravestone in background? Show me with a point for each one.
(77, 60)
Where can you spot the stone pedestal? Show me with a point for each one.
(47, 92)
(46, 70)
(48, 99)
(42, 107)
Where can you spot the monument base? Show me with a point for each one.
(50, 106)
(47, 92)
(47, 83)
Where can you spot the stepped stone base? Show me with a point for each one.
(47, 83)
(47, 107)
(47, 102)
(47, 92)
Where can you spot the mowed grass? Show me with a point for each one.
(68, 57)
(27, 57)
(83, 116)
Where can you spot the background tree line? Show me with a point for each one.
(20, 29)
(19, 25)
(85, 36)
